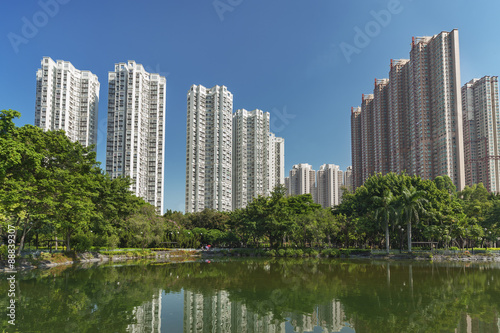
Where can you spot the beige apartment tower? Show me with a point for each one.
(356, 148)
(367, 137)
(67, 99)
(422, 104)
(481, 122)
(136, 131)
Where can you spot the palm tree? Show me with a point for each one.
(385, 204)
(412, 207)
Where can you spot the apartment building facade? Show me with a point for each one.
(423, 107)
(481, 128)
(329, 182)
(67, 99)
(136, 130)
(209, 149)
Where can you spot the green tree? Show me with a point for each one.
(144, 228)
(412, 208)
(385, 210)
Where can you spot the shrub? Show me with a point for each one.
(81, 243)
(314, 253)
(344, 252)
(281, 252)
(453, 248)
(299, 252)
(271, 253)
(113, 241)
(259, 252)
(290, 252)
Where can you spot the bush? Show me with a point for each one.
(113, 241)
(281, 252)
(332, 253)
(81, 243)
(290, 252)
(314, 253)
(271, 253)
(299, 252)
(259, 252)
(344, 252)
(453, 248)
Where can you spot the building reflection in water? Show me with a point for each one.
(216, 313)
(147, 316)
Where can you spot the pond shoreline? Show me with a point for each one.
(24, 264)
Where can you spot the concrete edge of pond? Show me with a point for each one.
(23, 264)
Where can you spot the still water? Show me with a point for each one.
(259, 295)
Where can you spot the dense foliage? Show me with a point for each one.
(53, 189)
(428, 212)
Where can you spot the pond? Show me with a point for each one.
(259, 295)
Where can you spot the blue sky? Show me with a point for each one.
(281, 56)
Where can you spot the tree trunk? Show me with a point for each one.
(21, 243)
(409, 235)
(387, 248)
(68, 237)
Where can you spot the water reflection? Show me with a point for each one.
(267, 295)
(217, 313)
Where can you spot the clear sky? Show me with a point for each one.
(305, 62)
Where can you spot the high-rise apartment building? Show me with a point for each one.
(356, 148)
(481, 122)
(367, 136)
(348, 179)
(398, 115)
(251, 162)
(422, 105)
(209, 149)
(329, 185)
(136, 131)
(276, 161)
(435, 108)
(67, 99)
(381, 126)
(302, 180)
(258, 157)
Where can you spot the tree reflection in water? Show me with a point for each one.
(262, 295)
